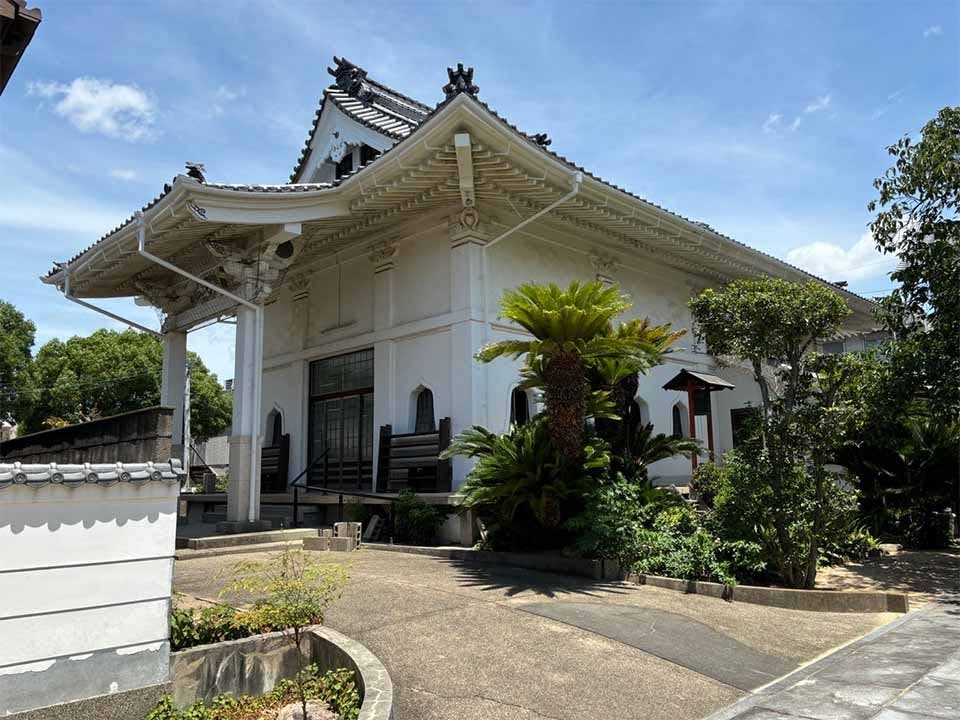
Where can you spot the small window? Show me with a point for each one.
(833, 348)
(425, 421)
(680, 420)
(519, 407)
(275, 428)
(742, 421)
(345, 166)
(368, 154)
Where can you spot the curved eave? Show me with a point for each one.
(214, 206)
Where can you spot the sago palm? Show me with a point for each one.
(572, 330)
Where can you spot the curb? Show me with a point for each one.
(839, 601)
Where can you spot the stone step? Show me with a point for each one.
(186, 554)
(251, 538)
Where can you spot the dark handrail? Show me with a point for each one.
(202, 459)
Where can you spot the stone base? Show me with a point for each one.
(323, 543)
(235, 527)
(123, 705)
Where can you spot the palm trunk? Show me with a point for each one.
(565, 397)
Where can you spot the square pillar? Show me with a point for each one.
(382, 257)
(468, 376)
(243, 494)
(173, 386)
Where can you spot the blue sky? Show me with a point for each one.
(768, 120)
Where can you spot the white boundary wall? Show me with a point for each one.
(86, 569)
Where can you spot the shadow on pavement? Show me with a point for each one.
(513, 581)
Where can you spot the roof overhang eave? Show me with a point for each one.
(217, 206)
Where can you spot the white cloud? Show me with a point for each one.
(772, 123)
(834, 262)
(102, 106)
(796, 123)
(123, 174)
(223, 97)
(932, 31)
(819, 104)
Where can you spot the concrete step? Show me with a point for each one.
(186, 554)
(211, 542)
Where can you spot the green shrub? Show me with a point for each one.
(706, 482)
(926, 526)
(416, 520)
(217, 623)
(338, 688)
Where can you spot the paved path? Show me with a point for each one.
(908, 670)
(484, 643)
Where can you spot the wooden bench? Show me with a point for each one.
(411, 461)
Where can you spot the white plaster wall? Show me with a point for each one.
(85, 577)
(422, 277)
(421, 360)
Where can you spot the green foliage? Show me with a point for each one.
(573, 331)
(416, 520)
(294, 588)
(217, 623)
(110, 372)
(338, 688)
(16, 344)
(917, 210)
(706, 482)
(779, 494)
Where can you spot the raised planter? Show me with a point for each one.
(583, 567)
(253, 665)
(811, 600)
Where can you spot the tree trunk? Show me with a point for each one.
(565, 397)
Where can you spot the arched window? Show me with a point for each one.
(275, 428)
(640, 406)
(680, 421)
(519, 407)
(425, 421)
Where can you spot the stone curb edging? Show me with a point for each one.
(810, 600)
(190, 669)
(841, 601)
(582, 567)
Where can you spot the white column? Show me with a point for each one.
(243, 497)
(173, 385)
(469, 377)
(383, 255)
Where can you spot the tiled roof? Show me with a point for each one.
(287, 188)
(103, 474)
(368, 102)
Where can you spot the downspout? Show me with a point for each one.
(487, 323)
(91, 306)
(577, 182)
(258, 334)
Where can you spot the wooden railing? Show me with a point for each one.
(410, 461)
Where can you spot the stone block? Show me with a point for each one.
(317, 543)
(343, 544)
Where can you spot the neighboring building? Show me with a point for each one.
(364, 286)
(855, 342)
(18, 23)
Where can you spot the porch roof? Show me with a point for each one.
(703, 381)
(515, 176)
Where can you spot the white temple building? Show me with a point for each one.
(363, 287)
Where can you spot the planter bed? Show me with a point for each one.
(253, 665)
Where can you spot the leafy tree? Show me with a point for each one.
(917, 219)
(16, 343)
(110, 372)
(791, 496)
(572, 330)
(294, 592)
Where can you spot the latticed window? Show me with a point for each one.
(341, 420)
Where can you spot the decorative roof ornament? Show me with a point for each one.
(349, 78)
(196, 171)
(541, 139)
(461, 81)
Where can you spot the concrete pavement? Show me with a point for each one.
(482, 643)
(908, 670)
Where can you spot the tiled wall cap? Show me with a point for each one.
(101, 473)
